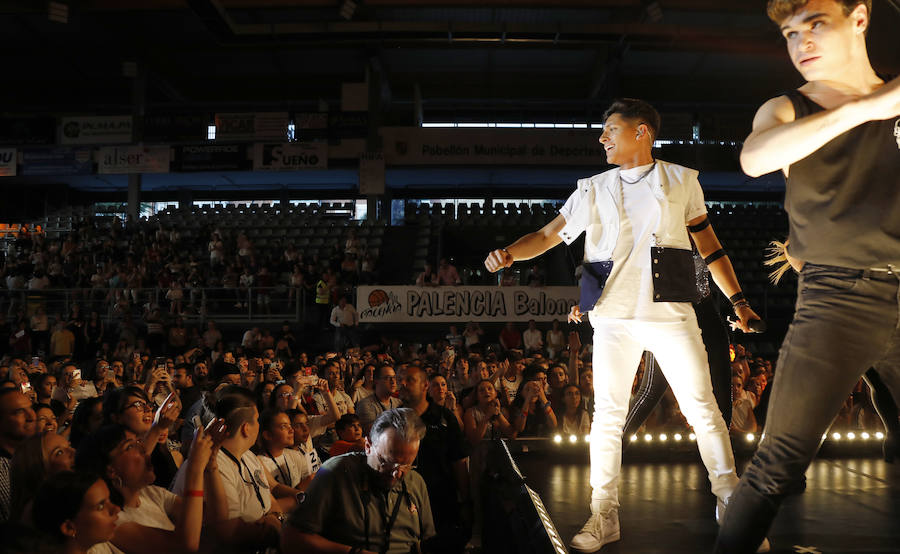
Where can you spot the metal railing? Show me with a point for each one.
(239, 304)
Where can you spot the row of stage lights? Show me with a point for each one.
(749, 437)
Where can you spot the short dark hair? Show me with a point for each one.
(95, 453)
(636, 111)
(779, 10)
(345, 421)
(114, 402)
(60, 498)
(236, 408)
(267, 418)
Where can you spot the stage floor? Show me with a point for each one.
(850, 505)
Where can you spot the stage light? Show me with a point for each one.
(633, 438)
(573, 439)
(587, 438)
(648, 437)
(677, 437)
(751, 437)
(865, 436)
(836, 436)
(663, 437)
(557, 439)
(879, 435)
(851, 435)
(692, 436)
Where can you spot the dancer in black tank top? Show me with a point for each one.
(837, 141)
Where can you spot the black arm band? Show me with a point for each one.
(700, 226)
(720, 253)
(737, 297)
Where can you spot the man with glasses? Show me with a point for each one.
(367, 502)
(370, 407)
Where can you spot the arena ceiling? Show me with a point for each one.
(464, 59)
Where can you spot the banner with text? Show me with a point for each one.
(211, 157)
(60, 160)
(290, 156)
(8, 158)
(113, 129)
(407, 304)
(250, 126)
(133, 159)
(442, 146)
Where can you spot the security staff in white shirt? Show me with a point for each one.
(636, 284)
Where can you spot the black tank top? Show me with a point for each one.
(843, 200)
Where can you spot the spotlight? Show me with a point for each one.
(692, 437)
(851, 435)
(633, 438)
(663, 437)
(836, 436)
(557, 439)
(751, 437)
(587, 438)
(648, 437)
(879, 435)
(677, 436)
(865, 436)
(573, 439)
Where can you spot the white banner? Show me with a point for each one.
(405, 304)
(96, 130)
(441, 146)
(133, 159)
(290, 156)
(7, 162)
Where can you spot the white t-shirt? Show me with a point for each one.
(156, 505)
(510, 388)
(532, 339)
(629, 289)
(341, 398)
(289, 468)
(308, 453)
(238, 482)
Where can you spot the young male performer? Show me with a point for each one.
(628, 214)
(837, 140)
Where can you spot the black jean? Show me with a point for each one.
(845, 323)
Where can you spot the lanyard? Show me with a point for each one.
(252, 480)
(388, 523)
(287, 478)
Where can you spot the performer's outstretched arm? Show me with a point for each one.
(721, 269)
(779, 139)
(527, 247)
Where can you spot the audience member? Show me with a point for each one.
(346, 505)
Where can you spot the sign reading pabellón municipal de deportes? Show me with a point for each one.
(406, 304)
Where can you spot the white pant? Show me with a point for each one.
(678, 348)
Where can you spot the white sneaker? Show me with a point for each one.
(720, 513)
(599, 530)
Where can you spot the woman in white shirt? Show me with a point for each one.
(152, 518)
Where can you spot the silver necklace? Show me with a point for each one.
(639, 179)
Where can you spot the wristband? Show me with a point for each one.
(737, 297)
(508, 254)
(546, 405)
(194, 493)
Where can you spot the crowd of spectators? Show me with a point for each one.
(165, 435)
(122, 267)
